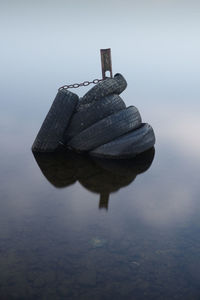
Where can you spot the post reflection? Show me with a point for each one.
(101, 176)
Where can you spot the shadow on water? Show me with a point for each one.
(101, 176)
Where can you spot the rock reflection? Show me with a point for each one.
(101, 176)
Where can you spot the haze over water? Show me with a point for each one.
(56, 243)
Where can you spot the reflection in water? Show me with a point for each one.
(100, 176)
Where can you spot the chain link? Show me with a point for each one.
(76, 85)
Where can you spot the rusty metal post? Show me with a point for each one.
(106, 64)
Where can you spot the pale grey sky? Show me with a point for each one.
(155, 45)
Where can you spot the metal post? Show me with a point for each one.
(106, 64)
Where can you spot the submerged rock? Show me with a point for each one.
(98, 243)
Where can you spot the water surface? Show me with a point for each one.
(77, 228)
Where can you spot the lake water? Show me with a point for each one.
(75, 228)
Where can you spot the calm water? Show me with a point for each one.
(75, 228)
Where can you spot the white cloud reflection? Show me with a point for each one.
(180, 131)
(165, 204)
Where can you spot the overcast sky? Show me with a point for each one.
(156, 39)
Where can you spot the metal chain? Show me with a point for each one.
(76, 85)
(106, 65)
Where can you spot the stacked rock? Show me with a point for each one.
(98, 123)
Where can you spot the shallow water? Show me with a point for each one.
(77, 228)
